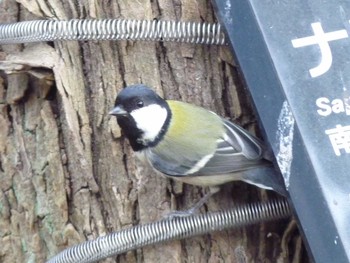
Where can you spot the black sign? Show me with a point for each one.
(295, 58)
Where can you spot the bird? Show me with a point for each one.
(191, 144)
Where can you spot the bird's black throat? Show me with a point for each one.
(130, 130)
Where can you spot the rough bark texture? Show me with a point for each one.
(67, 175)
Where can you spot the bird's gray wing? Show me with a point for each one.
(175, 158)
(167, 164)
(237, 151)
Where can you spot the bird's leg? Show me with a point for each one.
(212, 190)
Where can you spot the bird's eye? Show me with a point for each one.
(139, 103)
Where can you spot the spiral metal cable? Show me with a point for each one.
(170, 229)
(111, 29)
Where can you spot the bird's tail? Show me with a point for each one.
(267, 178)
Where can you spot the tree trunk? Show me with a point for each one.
(66, 173)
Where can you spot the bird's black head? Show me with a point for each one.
(135, 97)
(142, 115)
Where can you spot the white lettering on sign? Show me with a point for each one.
(326, 106)
(340, 139)
(321, 39)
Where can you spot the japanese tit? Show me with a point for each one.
(192, 144)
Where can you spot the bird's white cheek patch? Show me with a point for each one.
(150, 120)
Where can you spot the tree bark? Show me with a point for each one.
(67, 174)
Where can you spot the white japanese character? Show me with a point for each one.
(340, 138)
(321, 39)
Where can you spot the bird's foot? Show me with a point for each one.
(195, 208)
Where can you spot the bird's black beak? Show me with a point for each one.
(118, 111)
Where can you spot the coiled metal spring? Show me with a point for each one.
(169, 229)
(111, 29)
